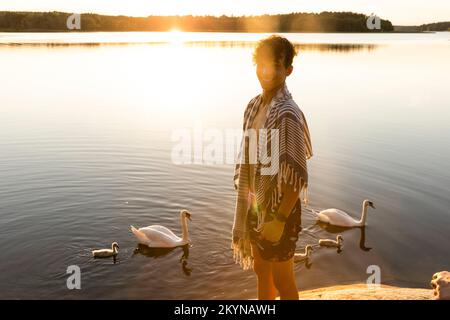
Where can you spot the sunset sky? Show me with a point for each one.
(400, 12)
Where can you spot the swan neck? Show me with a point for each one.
(362, 221)
(184, 228)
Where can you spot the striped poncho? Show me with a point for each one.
(286, 127)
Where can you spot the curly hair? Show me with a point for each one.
(277, 47)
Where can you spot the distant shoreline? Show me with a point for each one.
(295, 22)
(205, 31)
(292, 22)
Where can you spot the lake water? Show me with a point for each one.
(87, 123)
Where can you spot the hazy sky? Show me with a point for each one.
(400, 12)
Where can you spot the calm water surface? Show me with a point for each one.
(85, 150)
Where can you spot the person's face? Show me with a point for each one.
(271, 73)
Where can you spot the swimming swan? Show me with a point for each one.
(332, 243)
(303, 256)
(340, 218)
(104, 253)
(157, 236)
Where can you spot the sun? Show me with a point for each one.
(175, 36)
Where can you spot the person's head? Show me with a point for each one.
(273, 57)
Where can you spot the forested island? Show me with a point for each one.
(293, 22)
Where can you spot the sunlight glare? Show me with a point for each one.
(175, 36)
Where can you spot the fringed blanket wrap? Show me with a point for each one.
(291, 131)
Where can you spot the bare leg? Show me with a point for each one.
(284, 279)
(263, 270)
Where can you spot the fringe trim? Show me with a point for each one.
(242, 253)
(289, 176)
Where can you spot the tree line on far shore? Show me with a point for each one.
(293, 22)
(438, 26)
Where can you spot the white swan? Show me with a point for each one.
(157, 236)
(104, 253)
(332, 243)
(340, 218)
(305, 255)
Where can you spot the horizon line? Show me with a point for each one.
(215, 15)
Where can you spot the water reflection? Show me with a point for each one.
(114, 258)
(336, 229)
(362, 240)
(323, 47)
(161, 252)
